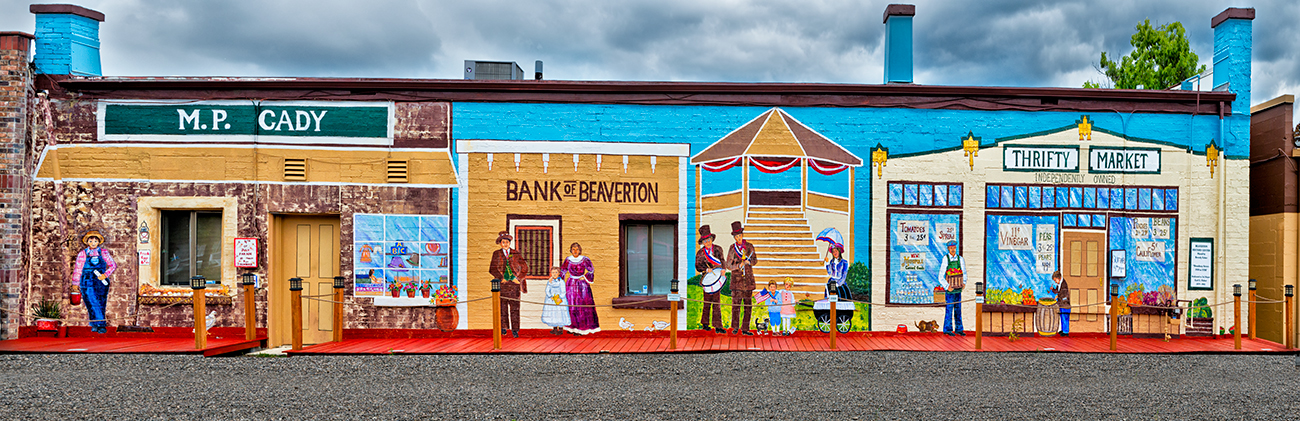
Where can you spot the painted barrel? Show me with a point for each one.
(446, 317)
(1047, 320)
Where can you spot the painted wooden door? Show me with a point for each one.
(308, 248)
(1083, 268)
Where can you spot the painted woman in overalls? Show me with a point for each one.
(94, 266)
(953, 280)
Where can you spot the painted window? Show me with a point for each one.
(649, 253)
(536, 246)
(917, 246)
(1020, 254)
(191, 246)
(1150, 248)
(927, 195)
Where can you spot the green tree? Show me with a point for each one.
(1161, 58)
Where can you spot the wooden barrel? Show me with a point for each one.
(1047, 320)
(447, 317)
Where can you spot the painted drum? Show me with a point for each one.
(713, 280)
(446, 317)
(1047, 320)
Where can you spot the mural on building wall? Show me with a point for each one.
(401, 256)
(94, 268)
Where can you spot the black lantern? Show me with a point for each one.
(339, 282)
(979, 288)
(1290, 290)
(830, 289)
(496, 285)
(198, 282)
(672, 286)
(1236, 290)
(1114, 290)
(295, 284)
(1252, 284)
(248, 278)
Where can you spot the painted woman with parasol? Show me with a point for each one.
(837, 268)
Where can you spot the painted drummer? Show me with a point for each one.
(708, 262)
(953, 280)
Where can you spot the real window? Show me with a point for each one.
(649, 256)
(191, 245)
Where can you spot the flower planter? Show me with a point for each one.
(410, 294)
(48, 325)
(1203, 326)
(397, 293)
(447, 317)
(424, 293)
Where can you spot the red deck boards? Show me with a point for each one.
(642, 342)
(90, 345)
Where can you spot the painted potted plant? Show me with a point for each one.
(395, 289)
(445, 313)
(1200, 319)
(48, 314)
(410, 289)
(425, 289)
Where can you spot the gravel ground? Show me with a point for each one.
(741, 385)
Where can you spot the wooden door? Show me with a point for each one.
(1083, 268)
(307, 248)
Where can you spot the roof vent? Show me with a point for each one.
(396, 171)
(295, 169)
(493, 70)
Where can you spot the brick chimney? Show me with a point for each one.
(15, 186)
(67, 40)
(898, 43)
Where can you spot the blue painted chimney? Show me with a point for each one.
(1232, 48)
(898, 43)
(67, 40)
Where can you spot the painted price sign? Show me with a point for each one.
(914, 233)
(245, 252)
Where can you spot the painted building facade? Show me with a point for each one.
(404, 187)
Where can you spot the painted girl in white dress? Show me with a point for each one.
(554, 311)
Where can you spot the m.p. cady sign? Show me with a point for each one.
(296, 122)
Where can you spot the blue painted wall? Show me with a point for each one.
(67, 44)
(903, 131)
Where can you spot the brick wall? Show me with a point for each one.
(15, 94)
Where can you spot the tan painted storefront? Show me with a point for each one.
(553, 194)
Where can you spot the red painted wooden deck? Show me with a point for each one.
(161, 341)
(628, 342)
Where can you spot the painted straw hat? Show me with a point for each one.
(85, 239)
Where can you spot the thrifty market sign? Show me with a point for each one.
(298, 122)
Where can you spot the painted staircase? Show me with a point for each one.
(786, 247)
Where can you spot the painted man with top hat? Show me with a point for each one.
(94, 266)
(952, 281)
(709, 262)
(508, 265)
(741, 260)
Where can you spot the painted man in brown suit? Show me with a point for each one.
(509, 267)
(741, 260)
(708, 259)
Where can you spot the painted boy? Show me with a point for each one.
(509, 267)
(709, 262)
(94, 266)
(1062, 291)
(741, 260)
(772, 299)
(953, 280)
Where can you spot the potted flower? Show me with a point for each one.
(48, 314)
(410, 289)
(445, 313)
(395, 289)
(425, 288)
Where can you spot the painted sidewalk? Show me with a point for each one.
(611, 342)
(221, 341)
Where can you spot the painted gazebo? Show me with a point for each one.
(779, 220)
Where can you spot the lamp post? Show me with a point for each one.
(496, 314)
(198, 283)
(250, 310)
(833, 300)
(295, 299)
(1250, 313)
(1236, 316)
(1290, 322)
(672, 313)
(979, 315)
(339, 283)
(1114, 316)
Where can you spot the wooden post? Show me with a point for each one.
(1250, 316)
(200, 320)
(250, 314)
(834, 322)
(1236, 319)
(295, 300)
(1289, 340)
(338, 314)
(672, 325)
(979, 322)
(1114, 323)
(496, 319)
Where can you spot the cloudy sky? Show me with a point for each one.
(989, 42)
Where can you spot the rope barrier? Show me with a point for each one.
(582, 305)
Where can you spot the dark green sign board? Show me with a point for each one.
(326, 120)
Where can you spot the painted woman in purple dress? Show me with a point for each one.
(579, 273)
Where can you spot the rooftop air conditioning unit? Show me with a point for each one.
(493, 70)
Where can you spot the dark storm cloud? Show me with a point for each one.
(992, 42)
